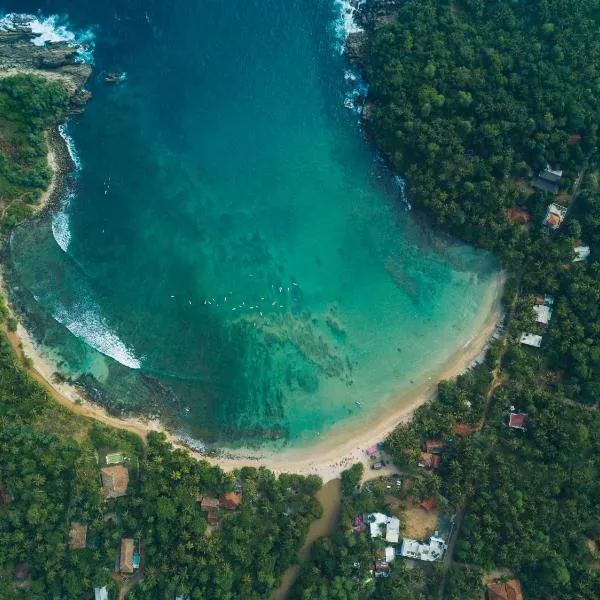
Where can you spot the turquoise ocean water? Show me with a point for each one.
(232, 253)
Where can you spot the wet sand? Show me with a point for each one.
(341, 447)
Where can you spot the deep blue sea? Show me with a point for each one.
(231, 253)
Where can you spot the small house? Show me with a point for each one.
(531, 339)
(548, 180)
(230, 501)
(555, 215)
(543, 314)
(429, 551)
(511, 590)
(115, 480)
(22, 571)
(435, 446)
(77, 536)
(429, 504)
(517, 215)
(464, 430)
(430, 461)
(518, 420)
(382, 569)
(126, 556)
(209, 502)
(212, 516)
(100, 593)
(581, 252)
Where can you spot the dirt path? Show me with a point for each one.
(330, 498)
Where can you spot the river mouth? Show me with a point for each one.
(233, 255)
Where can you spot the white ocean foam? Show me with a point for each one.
(61, 222)
(89, 325)
(346, 24)
(64, 133)
(191, 442)
(61, 229)
(53, 29)
(400, 183)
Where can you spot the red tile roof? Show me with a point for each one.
(126, 558)
(464, 430)
(433, 445)
(230, 501)
(517, 420)
(516, 215)
(115, 480)
(574, 138)
(429, 504)
(511, 590)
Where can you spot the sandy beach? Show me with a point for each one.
(341, 447)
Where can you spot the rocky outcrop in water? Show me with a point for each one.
(56, 60)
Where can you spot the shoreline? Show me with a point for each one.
(342, 446)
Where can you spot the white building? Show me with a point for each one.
(392, 527)
(543, 314)
(101, 593)
(531, 339)
(581, 253)
(392, 530)
(390, 554)
(430, 551)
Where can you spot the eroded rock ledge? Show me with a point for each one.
(55, 60)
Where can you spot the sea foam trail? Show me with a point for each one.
(61, 222)
(53, 29)
(87, 324)
(346, 23)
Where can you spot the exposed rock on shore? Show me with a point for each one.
(55, 60)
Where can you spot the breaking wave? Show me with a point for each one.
(345, 24)
(53, 29)
(61, 222)
(87, 324)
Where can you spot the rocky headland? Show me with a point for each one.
(54, 60)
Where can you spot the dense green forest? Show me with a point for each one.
(49, 478)
(29, 106)
(470, 100)
(469, 95)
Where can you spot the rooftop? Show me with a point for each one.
(543, 314)
(546, 186)
(464, 430)
(581, 253)
(511, 590)
(126, 556)
(100, 593)
(429, 504)
(115, 480)
(518, 420)
(531, 339)
(77, 536)
(431, 550)
(230, 500)
(555, 215)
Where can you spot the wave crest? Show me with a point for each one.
(53, 29)
(89, 325)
